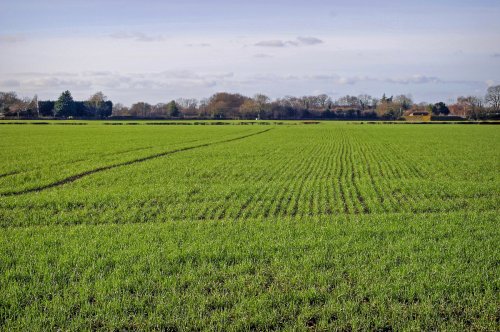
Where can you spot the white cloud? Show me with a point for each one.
(309, 40)
(271, 43)
(351, 80)
(299, 41)
(136, 36)
(127, 70)
(96, 80)
(10, 83)
(415, 79)
(490, 83)
(198, 45)
(262, 56)
(96, 73)
(55, 82)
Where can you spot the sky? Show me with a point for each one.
(156, 51)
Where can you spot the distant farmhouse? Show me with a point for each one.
(418, 116)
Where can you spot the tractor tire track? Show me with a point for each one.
(75, 177)
(89, 157)
(71, 162)
(9, 174)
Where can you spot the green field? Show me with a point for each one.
(329, 226)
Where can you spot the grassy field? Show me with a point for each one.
(330, 226)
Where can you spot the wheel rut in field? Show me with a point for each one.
(9, 174)
(78, 176)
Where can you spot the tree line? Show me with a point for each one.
(225, 105)
(96, 106)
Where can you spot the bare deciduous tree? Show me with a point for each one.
(404, 101)
(472, 106)
(187, 103)
(120, 110)
(493, 98)
(97, 99)
(365, 101)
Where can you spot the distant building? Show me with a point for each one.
(418, 116)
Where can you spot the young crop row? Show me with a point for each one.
(287, 172)
(325, 227)
(372, 272)
(51, 156)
